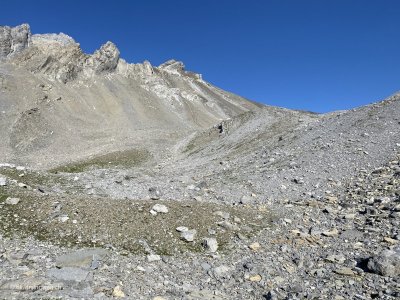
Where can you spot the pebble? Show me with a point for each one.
(181, 228)
(331, 233)
(160, 208)
(63, 218)
(210, 244)
(345, 271)
(3, 181)
(255, 246)
(255, 278)
(117, 292)
(188, 235)
(336, 258)
(153, 257)
(221, 270)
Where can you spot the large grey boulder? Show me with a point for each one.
(14, 39)
(387, 263)
(85, 258)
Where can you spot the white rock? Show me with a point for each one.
(63, 218)
(12, 201)
(211, 244)
(188, 235)
(117, 292)
(153, 257)
(160, 208)
(182, 228)
(3, 181)
(221, 270)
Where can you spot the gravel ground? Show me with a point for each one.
(224, 229)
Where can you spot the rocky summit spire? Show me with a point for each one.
(104, 59)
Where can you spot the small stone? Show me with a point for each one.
(210, 244)
(246, 200)
(159, 298)
(224, 215)
(255, 278)
(350, 216)
(63, 218)
(3, 181)
(181, 228)
(160, 208)
(345, 271)
(241, 236)
(390, 240)
(22, 185)
(206, 266)
(117, 292)
(336, 259)
(228, 225)
(188, 235)
(255, 246)
(153, 257)
(155, 193)
(221, 270)
(12, 201)
(141, 269)
(330, 233)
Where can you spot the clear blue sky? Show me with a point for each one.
(316, 55)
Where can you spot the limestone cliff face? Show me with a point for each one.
(105, 59)
(14, 39)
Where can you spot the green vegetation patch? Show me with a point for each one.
(127, 225)
(128, 158)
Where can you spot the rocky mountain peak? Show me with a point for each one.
(53, 38)
(14, 39)
(104, 59)
(172, 66)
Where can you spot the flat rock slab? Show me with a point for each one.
(24, 284)
(68, 274)
(85, 258)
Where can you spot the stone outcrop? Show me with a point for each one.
(172, 66)
(14, 39)
(105, 59)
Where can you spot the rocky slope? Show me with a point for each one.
(61, 104)
(133, 181)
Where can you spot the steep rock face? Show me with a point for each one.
(14, 39)
(105, 59)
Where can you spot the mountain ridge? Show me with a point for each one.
(55, 96)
